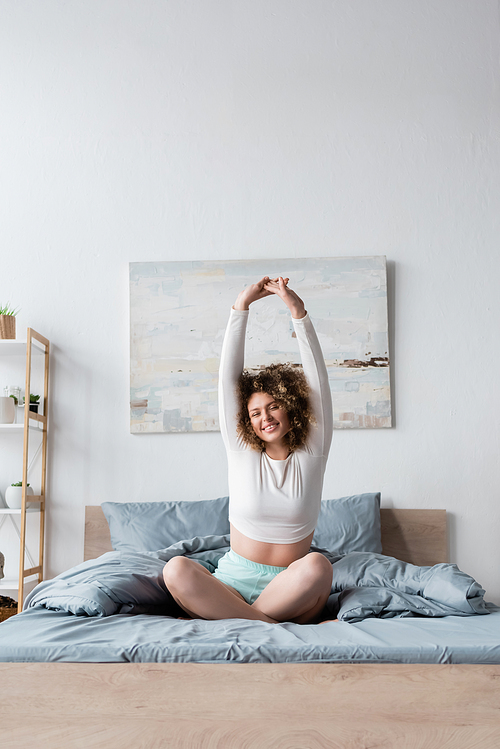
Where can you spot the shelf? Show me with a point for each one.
(11, 583)
(10, 511)
(13, 347)
(19, 428)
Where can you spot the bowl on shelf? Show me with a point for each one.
(14, 496)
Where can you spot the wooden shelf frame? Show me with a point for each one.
(33, 338)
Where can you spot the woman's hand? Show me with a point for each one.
(292, 300)
(252, 293)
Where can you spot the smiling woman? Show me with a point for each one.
(277, 427)
(270, 423)
(280, 390)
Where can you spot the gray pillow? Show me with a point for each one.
(148, 526)
(349, 524)
(344, 525)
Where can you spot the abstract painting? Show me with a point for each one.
(179, 311)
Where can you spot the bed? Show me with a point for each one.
(385, 680)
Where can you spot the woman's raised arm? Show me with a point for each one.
(314, 366)
(232, 360)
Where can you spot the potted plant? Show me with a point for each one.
(14, 495)
(7, 321)
(33, 402)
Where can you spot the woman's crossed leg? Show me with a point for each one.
(298, 594)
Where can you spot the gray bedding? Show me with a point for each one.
(116, 608)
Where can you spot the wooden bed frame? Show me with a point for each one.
(258, 706)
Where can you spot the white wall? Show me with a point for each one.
(214, 129)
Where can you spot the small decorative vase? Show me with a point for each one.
(14, 496)
(34, 407)
(7, 410)
(7, 326)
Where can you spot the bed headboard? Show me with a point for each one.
(415, 536)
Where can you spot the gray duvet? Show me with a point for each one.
(364, 584)
(116, 608)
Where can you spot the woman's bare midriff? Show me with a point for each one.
(276, 555)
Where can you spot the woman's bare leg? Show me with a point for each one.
(299, 593)
(202, 596)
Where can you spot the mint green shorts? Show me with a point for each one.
(245, 576)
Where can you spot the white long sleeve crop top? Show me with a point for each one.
(275, 501)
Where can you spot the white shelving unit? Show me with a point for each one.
(29, 569)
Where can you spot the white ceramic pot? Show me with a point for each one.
(7, 410)
(14, 496)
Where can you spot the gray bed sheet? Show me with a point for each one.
(39, 634)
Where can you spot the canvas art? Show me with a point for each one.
(179, 311)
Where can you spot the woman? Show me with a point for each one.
(277, 444)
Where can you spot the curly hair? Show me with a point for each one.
(287, 384)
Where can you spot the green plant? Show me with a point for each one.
(15, 399)
(33, 398)
(6, 309)
(19, 483)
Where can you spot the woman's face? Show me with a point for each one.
(269, 420)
